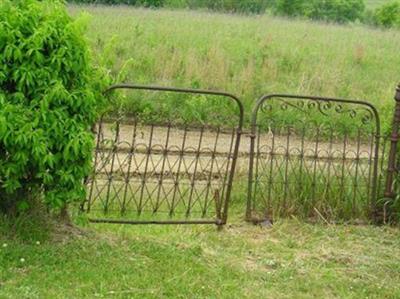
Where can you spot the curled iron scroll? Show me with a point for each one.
(325, 107)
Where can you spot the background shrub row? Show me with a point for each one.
(341, 11)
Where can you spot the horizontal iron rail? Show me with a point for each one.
(171, 222)
(183, 90)
(157, 151)
(209, 153)
(264, 98)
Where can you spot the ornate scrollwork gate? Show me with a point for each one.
(308, 156)
(313, 155)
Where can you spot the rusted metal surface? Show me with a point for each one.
(325, 156)
(172, 174)
(395, 136)
(389, 210)
(319, 162)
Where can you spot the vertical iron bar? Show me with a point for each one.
(196, 163)
(250, 175)
(176, 182)
(160, 181)
(300, 182)
(128, 175)
(148, 153)
(330, 161)
(342, 187)
(373, 204)
(391, 171)
(209, 180)
(370, 170)
(228, 163)
(355, 185)
(258, 156)
(100, 127)
(381, 166)
(271, 168)
(285, 180)
(230, 172)
(110, 177)
(315, 157)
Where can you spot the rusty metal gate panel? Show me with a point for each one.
(313, 155)
(152, 172)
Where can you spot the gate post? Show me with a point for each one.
(394, 138)
(249, 205)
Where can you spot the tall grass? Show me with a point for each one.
(372, 4)
(251, 56)
(248, 56)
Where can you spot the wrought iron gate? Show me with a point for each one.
(313, 154)
(321, 156)
(149, 171)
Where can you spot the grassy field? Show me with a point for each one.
(248, 56)
(289, 260)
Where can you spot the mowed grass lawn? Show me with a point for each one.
(289, 260)
(246, 55)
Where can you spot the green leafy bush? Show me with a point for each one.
(242, 6)
(50, 96)
(341, 11)
(388, 15)
(110, 2)
(145, 3)
(176, 3)
(290, 8)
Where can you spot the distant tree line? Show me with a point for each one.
(339, 11)
(242, 6)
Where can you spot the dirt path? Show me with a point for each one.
(222, 142)
(215, 150)
(152, 167)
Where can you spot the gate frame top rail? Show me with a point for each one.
(253, 129)
(267, 97)
(224, 215)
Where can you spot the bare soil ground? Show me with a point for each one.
(223, 142)
(178, 150)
